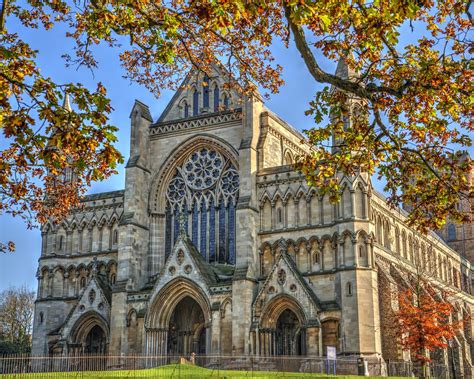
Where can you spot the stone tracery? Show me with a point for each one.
(204, 188)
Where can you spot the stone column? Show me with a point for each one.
(321, 211)
(215, 331)
(68, 249)
(355, 252)
(308, 211)
(297, 212)
(272, 215)
(353, 201)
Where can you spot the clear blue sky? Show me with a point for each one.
(20, 267)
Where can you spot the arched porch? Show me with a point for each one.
(178, 320)
(90, 335)
(282, 329)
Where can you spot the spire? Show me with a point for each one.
(67, 103)
(343, 71)
(94, 270)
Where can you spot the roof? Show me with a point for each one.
(145, 111)
(104, 195)
(204, 267)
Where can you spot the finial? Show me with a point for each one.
(94, 266)
(282, 245)
(67, 103)
(182, 224)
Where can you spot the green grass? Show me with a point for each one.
(176, 371)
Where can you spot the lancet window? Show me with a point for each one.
(205, 189)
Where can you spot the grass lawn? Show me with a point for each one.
(175, 371)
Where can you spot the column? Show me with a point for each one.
(297, 211)
(355, 252)
(273, 215)
(215, 326)
(342, 252)
(353, 203)
(370, 257)
(101, 235)
(321, 211)
(308, 211)
(68, 249)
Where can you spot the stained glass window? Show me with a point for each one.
(186, 110)
(209, 182)
(168, 219)
(212, 234)
(195, 224)
(195, 103)
(203, 247)
(216, 98)
(222, 234)
(231, 258)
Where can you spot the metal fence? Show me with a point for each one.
(216, 367)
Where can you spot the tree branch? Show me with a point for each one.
(324, 77)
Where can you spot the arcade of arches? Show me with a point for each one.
(179, 323)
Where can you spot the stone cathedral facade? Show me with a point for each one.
(218, 246)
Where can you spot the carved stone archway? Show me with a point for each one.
(282, 329)
(166, 331)
(90, 335)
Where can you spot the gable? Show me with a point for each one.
(186, 262)
(284, 279)
(201, 94)
(93, 298)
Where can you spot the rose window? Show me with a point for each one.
(202, 169)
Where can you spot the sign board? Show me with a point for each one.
(331, 353)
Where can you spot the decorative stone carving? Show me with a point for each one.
(180, 257)
(92, 296)
(281, 277)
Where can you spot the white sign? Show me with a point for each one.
(331, 353)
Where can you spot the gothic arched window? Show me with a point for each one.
(216, 98)
(195, 102)
(451, 232)
(226, 101)
(205, 90)
(205, 189)
(185, 109)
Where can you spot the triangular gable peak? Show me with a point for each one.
(91, 299)
(284, 279)
(200, 94)
(185, 262)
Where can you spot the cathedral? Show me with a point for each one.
(217, 246)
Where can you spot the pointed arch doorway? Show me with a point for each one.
(288, 334)
(282, 329)
(186, 332)
(179, 320)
